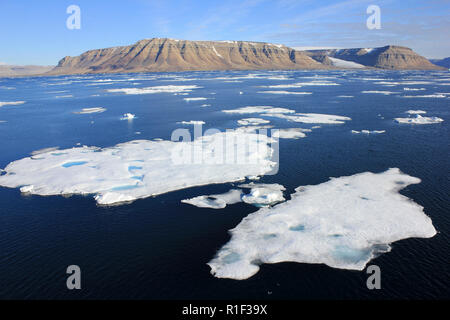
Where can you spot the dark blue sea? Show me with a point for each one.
(158, 247)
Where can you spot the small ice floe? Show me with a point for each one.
(2, 121)
(90, 110)
(64, 96)
(415, 112)
(386, 93)
(414, 89)
(259, 109)
(156, 89)
(205, 105)
(344, 96)
(343, 223)
(27, 189)
(240, 92)
(262, 194)
(252, 121)
(369, 131)
(291, 133)
(419, 120)
(310, 117)
(193, 122)
(11, 103)
(426, 96)
(286, 92)
(128, 116)
(195, 99)
(216, 201)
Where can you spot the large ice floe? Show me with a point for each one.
(343, 223)
(290, 133)
(142, 168)
(155, 89)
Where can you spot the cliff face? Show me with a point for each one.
(181, 55)
(388, 57)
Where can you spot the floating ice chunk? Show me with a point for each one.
(128, 116)
(342, 223)
(194, 122)
(240, 92)
(426, 96)
(195, 99)
(216, 201)
(111, 175)
(419, 120)
(91, 110)
(155, 89)
(310, 117)
(259, 109)
(11, 103)
(380, 92)
(205, 105)
(252, 121)
(26, 189)
(415, 112)
(369, 131)
(262, 195)
(414, 89)
(285, 92)
(291, 133)
(2, 121)
(344, 96)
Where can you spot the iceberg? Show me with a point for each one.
(285, 92)
(195, 99)
(143, 168)
(193, 122)
(368, 131)
(415, 112)
(310, 117)
(259, 109)
(343, 223)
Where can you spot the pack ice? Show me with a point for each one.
(343, 223)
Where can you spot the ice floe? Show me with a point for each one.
(309, 117)
(90, 110)
(380, 92)
(259, 109)
(216, 201)
(343, 223)
(155, 89)
(142, 168)
(415, 112)
(263, 195)
(195, 99)
(11, 103)
(252, 121)
(193, 122)
(128, 116)
(369, 131)
(419, 120)
(285, 92)
(426, 96)
(291, 133)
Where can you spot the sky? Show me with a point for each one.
(35, 32)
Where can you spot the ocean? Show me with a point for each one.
(158, 247)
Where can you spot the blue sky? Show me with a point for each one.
(34, 32)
